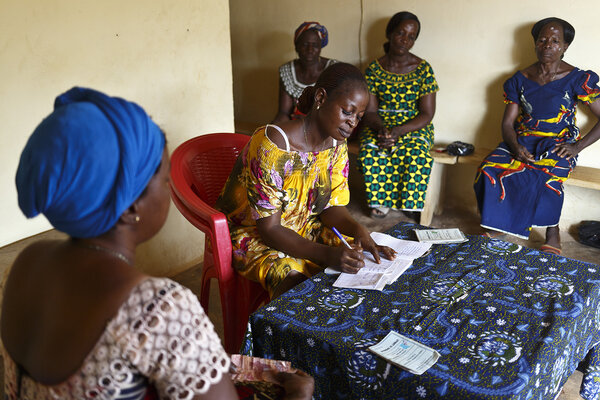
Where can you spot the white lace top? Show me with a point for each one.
(160, 337)
(291, 84)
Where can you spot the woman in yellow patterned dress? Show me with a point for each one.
(289, 187)
(394, 149)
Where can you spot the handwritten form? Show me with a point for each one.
(375, 276)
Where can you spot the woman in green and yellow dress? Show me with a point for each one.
(289, 187)
(394, 147)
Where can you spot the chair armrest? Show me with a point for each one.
(210, 221)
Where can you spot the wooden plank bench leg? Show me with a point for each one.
(433, 194)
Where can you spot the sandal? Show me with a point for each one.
(493, 234)
(380, 212)
(551, 249)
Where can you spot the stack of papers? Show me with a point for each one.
(440, 236)
(406, 353)
(375, 276)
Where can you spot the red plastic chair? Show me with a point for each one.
(199, 169)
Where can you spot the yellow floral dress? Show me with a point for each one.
(267, 179)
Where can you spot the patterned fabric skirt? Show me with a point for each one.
(395, 177)
(256, 261)
(513, 196)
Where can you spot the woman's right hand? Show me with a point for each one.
(297, 386)
(345, 259)
(383, 138)
(520, 153)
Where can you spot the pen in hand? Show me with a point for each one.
(339, 235)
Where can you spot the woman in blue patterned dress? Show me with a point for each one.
(520, 184)
(394, 148)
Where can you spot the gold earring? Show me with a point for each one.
(137, 218)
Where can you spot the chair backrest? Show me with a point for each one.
(207, 161)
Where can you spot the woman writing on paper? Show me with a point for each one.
(290, 186)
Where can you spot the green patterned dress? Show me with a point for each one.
(398, 177)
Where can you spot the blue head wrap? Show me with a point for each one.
(88, 161)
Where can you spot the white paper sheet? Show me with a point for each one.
(406, 353)
(375, 276)
(404, 248)
(440, 236)
(360, 280)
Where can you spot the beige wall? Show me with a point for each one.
(473, 46)
(172, 57)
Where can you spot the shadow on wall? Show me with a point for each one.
(258, 96)
(459, 186)
(488, 134)
(375, 38)
(257, 90)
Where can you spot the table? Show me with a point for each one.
(510, 323)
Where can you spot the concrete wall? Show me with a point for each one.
(172, 57)
(473, 46)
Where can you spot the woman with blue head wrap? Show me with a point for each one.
(87, 162)
(78, 320)
(294, 76)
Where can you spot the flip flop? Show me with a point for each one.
(551, 249)
(493, 234)
(378, 213)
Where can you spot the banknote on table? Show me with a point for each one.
(405, 353)
(248, 371)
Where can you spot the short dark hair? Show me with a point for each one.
(332, 79)
(395, 21)
(568, 30)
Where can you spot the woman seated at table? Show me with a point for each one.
(520, 184)
(394, 146)
(296, 75)
(78, 320)
(290, 186)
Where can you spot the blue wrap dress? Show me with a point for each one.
(514, 196)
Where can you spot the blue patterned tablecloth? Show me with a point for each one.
(510, 323)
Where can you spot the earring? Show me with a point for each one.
(318, 106)
(137, 218)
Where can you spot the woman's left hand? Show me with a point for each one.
(390, 137)
(363, 239)
(566, 150)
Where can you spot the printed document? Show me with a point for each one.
(406, 353)
(440, 236)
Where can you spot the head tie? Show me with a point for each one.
(88, 161)
(320, 29)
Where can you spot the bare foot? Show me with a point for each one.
(379, 212)
(553, 237)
